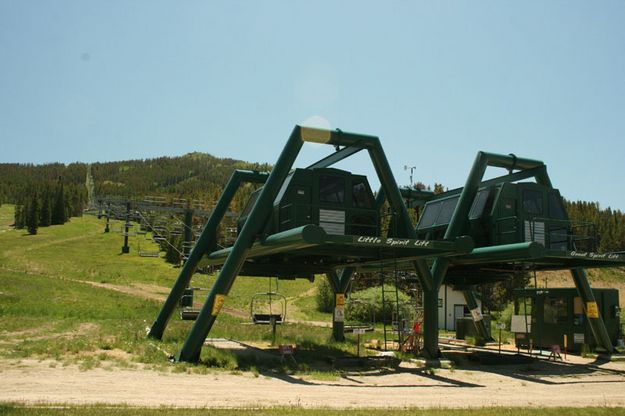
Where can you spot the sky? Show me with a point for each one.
(436, 81)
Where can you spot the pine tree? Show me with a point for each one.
(19, 217)
(58, 212)
(173, 250)
(32, 217)
(45, 216)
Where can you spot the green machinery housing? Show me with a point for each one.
(542, 317)
(507, 213)
(336, 200)
(322, 220)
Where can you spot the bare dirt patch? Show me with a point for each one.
(46, 332)
(143, 291)
(578, 383)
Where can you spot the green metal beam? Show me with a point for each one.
(508, 252)
(205, 243)
(335, 157)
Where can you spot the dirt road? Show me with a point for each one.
(544, 384)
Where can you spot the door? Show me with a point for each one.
(555, 321)
(458, 313)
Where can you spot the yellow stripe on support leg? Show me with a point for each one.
(217, 304)
(314, 135)
(592, 311)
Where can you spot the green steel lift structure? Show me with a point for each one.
(322, 220)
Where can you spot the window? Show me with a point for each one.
(331, 189)
(555, 310)
(556, 210)
(361, 196)
(438, 213)
(481, 204)
(533, 202)
(447, 210)
(429, 215)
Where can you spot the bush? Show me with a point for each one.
(324, 296)
(365, 306)
(505, 316)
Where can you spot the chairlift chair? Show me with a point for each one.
(188, 312)
(276, 312)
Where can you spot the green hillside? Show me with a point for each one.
(194, 175)
(68, 295)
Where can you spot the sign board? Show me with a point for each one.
(521, 324)
(500, 325)
(477, 314)
(578, 338)
(217, 304)
(286, 349)
(390, 242)
(340, 299)
(359, 331)
(339, 314)
(591, 310)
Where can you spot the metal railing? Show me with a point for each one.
(556, 234)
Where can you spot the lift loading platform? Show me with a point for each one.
(516, 226)
(313, 220)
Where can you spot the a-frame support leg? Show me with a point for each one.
(595, 320)
(339, 283)
(253, 225)
(480, 324)
(456, 227)
(206, 242)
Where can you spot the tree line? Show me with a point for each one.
(46, 204)
(606, 224)
(36, 190)
(199, 176)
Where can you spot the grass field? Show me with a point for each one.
(108, 411)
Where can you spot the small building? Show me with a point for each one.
(451, 305)
(543, 317)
